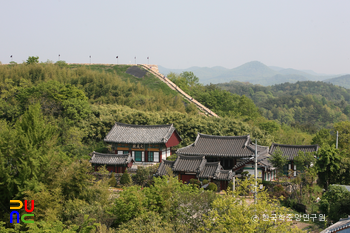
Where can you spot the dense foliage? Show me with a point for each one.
(308, 105)
(221, 102)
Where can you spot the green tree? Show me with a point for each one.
(328, 165)
(270, 126)
(323, 137)
(304, 160)
(344, 135)
(142, 175)
(112, 180)
(125, 179)
(147, 222)
(335, 202)
(212, 187)
(247, 107)
(278, 160)
(33, 60)
(25, 153)
(232, 213)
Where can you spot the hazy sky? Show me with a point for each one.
(308, 34)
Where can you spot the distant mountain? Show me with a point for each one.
(253, 72)
(276, 68)
(343, 81)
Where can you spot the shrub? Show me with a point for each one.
(204, 182)
(61, 64)
(141, 176)
(278, 188)
(279, 191)
(112, 181)
(195, 182)
(230, 184)
(266, 183)
(125, 179)
(212, 187)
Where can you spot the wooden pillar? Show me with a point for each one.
(146, 156)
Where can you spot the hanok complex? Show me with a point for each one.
(147, 144)
(216, 158)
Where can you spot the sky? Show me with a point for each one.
(305, 35)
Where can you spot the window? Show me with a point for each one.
(138, 156)
(156, 156)
(150, 156)
(125, 152)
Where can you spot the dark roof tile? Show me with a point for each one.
(221, 146)
(110, 159)
(290, 151)
(125, 133)
(210, 170)
(192, 164)
(225, 175)
(162, 169)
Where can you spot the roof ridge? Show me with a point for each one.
(219, 136)
(148, 126)
(287, 145)
(191, 157)
(104, 154)
(171, 128)
(248, 140)
(195, 142)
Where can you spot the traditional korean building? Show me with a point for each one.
(266, 171)
(290, 152)
(228, 150)
(114, 162)
(197, 167)
(147, 144)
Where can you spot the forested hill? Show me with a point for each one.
(343, 81)
(71, 94)
(308, 104)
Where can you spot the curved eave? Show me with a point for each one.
(146, 143)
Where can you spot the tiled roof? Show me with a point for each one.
(221, 146)
(225, 175)
(242, 163)
(262, 161)
(262, 150)
(192, 164)
(162, 167)
(290, 151)
(342, 224)
(198, 165)
(124, 133)
(110, 159)
(210, 170)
